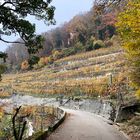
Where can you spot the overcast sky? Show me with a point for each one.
(65, 10)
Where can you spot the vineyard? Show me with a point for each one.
(86, 74)
(85, 66)
(91, 75)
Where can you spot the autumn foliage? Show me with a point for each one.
(25, 65)
(129, 29)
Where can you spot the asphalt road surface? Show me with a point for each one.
(81, 125)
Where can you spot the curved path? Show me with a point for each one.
(81, 125)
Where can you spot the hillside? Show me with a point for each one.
(88, 65)
(77, 74)
(93, 74)
(79, 34)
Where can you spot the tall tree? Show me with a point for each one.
(129, 29)
(12, 19)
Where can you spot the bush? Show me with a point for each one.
(78, 47)
(108, 43)
(50, 60)
(25, 65)
(56, 55)
(89, 47)
(41, 62)
(68, 52)
(89, 44)
(99, 44)
(3, 68)
(44, 60)
(1, 113)
(33, 60)
(138, 93)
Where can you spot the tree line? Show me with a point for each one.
(85, 32)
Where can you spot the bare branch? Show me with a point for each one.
(7, 2)
(17, 42)
(13, 121)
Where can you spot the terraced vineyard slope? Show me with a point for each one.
(82, 74)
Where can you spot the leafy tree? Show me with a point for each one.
(12, 20)
(107, 2)
(56, 38)
(107, 26)
(77, 28)
(17, 53)
(129, 29)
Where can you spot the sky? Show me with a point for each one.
(65, 11)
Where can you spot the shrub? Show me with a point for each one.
(78, 47)
(56, 55)
(25, 65)
(50, 60)
(1, 113)
(46, 60)
(73, 50)
(41, 62)
(33, 60)
(2, 68)
(99, 44)
(89, 44)
(138, 93)
(68, 52)
(108, 43)
(36, 66)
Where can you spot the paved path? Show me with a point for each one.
(81, 125)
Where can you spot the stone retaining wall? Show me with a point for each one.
(61, 114)
(103, 108)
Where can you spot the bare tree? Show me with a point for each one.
(18, 132)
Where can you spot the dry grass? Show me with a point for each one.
(132, 127)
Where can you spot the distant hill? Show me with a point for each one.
(78, 35)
